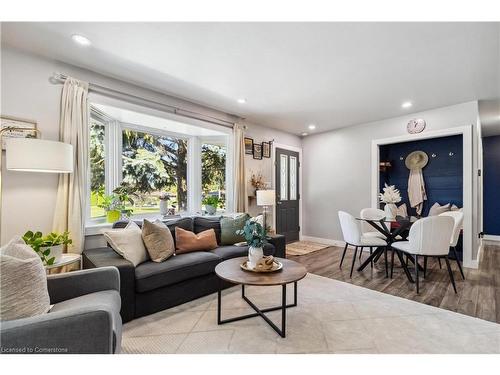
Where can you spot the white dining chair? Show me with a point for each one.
(352, 236)
(373, 214)
(458, 218)
(429, 237)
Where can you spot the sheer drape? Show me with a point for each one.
(239, 169)
(70, 205)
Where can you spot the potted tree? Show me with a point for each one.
(50, 247)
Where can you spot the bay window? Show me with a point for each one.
(155, 156)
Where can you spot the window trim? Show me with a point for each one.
(113, 167)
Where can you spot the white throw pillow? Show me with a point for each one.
(128, 243)
(437, 209)
(402, 211)
(23, 282)
(456, 208)
(258, 219)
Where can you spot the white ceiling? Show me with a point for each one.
(292, 74)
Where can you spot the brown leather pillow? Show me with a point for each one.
(187, 241)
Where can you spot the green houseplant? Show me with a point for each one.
(116, 203)
(49, 248)
(255, 236)
(211, 203)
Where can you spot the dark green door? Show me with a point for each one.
(287, 194)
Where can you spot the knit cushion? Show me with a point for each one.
(158, 240)
(23, 282)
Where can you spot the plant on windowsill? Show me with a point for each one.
(164, 199)
(50, 247)
(211, 203)
(255, 236)
(116, 203)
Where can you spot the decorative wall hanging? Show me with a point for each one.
(14, 122)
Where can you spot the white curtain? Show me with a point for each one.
(70, 205)
(239, 203)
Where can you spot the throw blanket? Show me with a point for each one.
(416, 190)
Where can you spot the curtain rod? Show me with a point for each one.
(61, 78)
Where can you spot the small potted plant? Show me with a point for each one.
(164, 199)
(390, 197)
(50, 247)
(211, 203)
(115, 204)
(255, 236)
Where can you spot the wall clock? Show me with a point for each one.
(415, 126)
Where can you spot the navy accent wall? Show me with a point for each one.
(491, 185)
(443, 175)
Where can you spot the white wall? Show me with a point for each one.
(265, 166)
(336, 166)
(29, 198)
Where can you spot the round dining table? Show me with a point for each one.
(391, 229)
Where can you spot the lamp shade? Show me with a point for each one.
(266, 198)
(38, 155)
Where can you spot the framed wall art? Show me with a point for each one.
(257, 151)
(266, 149)
(248, 146)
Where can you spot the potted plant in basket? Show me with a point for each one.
(50, 247)
(390, 197)
(211, 203)
(255, 236)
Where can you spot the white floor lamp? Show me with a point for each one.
(266, 198)
(34, 155)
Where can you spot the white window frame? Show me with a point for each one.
(113, 167)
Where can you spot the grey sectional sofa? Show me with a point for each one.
(152, 287)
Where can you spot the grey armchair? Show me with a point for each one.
(85, 317)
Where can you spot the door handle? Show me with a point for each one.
(278, 202)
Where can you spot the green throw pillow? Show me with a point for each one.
(228, 228)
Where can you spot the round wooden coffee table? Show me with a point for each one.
(230, 271)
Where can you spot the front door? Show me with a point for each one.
(287, 194)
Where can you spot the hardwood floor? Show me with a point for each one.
(478, 295)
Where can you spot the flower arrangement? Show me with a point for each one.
(257, 181)
(254, 234)
(390, 195)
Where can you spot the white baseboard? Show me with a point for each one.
(324, 241)
(489, 237)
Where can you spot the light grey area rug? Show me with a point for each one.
(331, 317)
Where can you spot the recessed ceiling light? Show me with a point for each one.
(304, 134)
(242, 100)
(312, 127)
(80, 39)
(406, 105)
